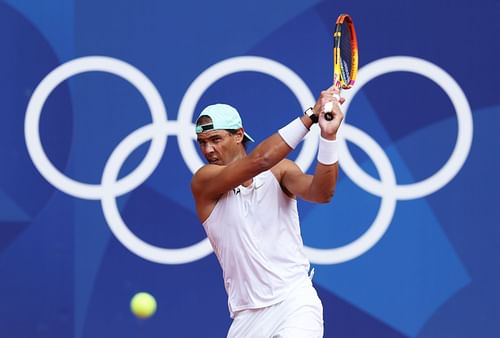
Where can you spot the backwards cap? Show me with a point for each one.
(223, 116)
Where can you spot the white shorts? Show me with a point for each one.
(300, 315)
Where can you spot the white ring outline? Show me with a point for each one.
(235, 65)
(464, 135)
(112, 214)
(62, 73)
(385, 213)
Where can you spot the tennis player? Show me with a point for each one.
(247, 205)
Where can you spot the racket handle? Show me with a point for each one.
(328, 108)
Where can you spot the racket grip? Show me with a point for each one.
(328, 108)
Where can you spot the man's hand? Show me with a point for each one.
(330, 96)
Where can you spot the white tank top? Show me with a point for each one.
(256, 237)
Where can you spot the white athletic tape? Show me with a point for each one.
(328, 107)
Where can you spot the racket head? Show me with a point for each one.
(345, 51)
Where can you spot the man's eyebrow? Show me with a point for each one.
(209, 137)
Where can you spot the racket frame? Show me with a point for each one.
(337, 35)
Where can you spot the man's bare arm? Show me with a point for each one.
(318, 188)
(212, 181)
(321, 186)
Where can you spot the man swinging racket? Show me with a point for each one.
(247, 204)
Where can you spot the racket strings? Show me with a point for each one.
(345, 52)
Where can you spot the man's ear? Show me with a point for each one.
(239, 135)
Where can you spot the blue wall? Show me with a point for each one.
(90, 90)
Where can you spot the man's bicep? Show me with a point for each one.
(211, 181)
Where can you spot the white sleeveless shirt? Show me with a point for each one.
(256, 237)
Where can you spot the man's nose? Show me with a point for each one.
(209, 148)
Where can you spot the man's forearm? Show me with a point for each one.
(325, 176)
(275, 148)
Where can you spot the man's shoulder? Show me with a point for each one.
(205, 173)
(208, 169)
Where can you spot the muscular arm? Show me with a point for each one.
(319, 187)
(211, 181)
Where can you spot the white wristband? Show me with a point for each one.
(293, 132)
(327, 153)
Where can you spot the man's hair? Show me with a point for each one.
(204, 119)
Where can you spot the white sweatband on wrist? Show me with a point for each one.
(293, 132)
(327, 152)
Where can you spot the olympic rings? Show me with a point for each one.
(50, 82)
(109, 189)
(234, 65)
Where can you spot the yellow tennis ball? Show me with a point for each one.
(143, 305)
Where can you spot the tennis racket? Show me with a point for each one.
(345, 57)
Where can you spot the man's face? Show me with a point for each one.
(219, 147)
